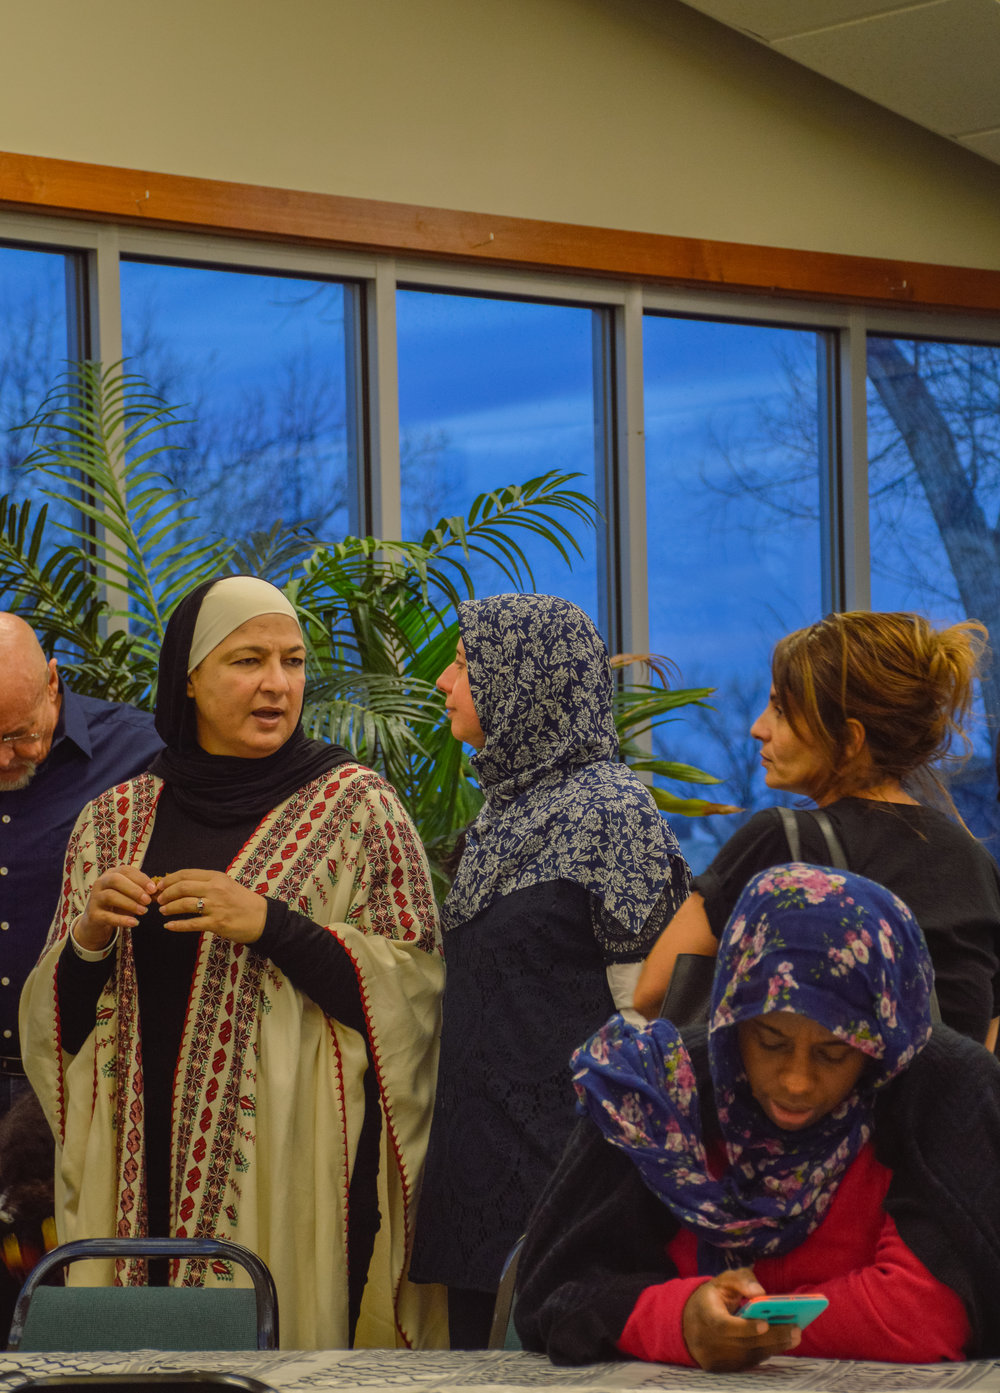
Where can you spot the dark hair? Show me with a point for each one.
(907, 683)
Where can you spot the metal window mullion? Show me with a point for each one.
(842, 440)
(383, 508)
(606, 442)
(106, 348)
(356, 398)
(856, 583)
(106, 298)
(619, 477)
(632, 578)
(832, 503)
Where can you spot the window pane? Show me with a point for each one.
(934, 452)
(733, 533)
(34, 345)
(259, 364)
(496, 392)
(33, 352)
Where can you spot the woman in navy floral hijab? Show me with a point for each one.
(568, 874)
(558, 803)
(832, 947)
(821, 1138)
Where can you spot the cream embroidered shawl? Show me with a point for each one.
(268, 1098)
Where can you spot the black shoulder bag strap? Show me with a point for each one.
(835, 852)
(791, 825)
(836, 859)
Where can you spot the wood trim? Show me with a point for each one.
(136, 197)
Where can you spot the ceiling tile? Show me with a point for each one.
(776, 19)
(937, 64)
(987, 144)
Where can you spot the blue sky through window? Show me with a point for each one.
(495, 392)
(942, 429)
(258, 363)
(732, 497)
(33, 354)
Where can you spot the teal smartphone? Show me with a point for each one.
(784, 1310)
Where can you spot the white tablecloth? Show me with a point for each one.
(447, 1372)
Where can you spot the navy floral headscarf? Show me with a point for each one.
(825, 944)
(559, 804)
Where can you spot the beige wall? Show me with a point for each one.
(638, 114)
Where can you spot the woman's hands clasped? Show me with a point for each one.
(189, 900)
(211, 902)
(119, 898)
(723, 1342)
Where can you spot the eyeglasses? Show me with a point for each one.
(19, 743)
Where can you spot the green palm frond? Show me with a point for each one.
(448, 796)
(378, 617)
(38, 577)
(494, 520)
(640, 708)
(60, 596)
(378, 716)
(273, 555)
(689, 807)
(99, 440)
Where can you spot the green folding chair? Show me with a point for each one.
(502, 1333)
(144, 1317)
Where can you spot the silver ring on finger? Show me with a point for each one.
(201, 908)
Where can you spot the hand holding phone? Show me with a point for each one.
(784, 1310)
(715, 1336)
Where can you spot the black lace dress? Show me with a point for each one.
(526, 985)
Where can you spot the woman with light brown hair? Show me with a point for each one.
(864, 707)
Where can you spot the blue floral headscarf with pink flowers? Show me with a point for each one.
(825, 944)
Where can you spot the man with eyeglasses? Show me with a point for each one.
(58, 750)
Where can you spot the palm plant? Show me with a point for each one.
(379, 617)
(97, 439)
(641, 708)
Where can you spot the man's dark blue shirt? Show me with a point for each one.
(96, 744)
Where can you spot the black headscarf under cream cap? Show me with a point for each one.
(223, 790)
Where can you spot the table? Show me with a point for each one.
(445, 1371)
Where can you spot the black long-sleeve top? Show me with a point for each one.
(598, 1236)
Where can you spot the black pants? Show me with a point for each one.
(470, 1315)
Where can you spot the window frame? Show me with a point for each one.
(618, 303)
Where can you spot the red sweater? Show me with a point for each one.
(884, 1304)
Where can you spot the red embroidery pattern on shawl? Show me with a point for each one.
(389, 908)
(60, 925)
(223, 1031)
(326, 832)
(65, 915)
(121, 822)
(217, 1088)
(391, 912)
(272, 856)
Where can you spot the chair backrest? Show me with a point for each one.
(125, 1318)
(502, 1332)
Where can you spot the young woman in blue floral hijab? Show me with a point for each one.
(568, 874)
(820, 1138)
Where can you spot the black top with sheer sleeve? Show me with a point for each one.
(947, 878)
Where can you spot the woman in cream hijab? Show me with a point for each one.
(246, 961)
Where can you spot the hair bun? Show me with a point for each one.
(908, 684)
